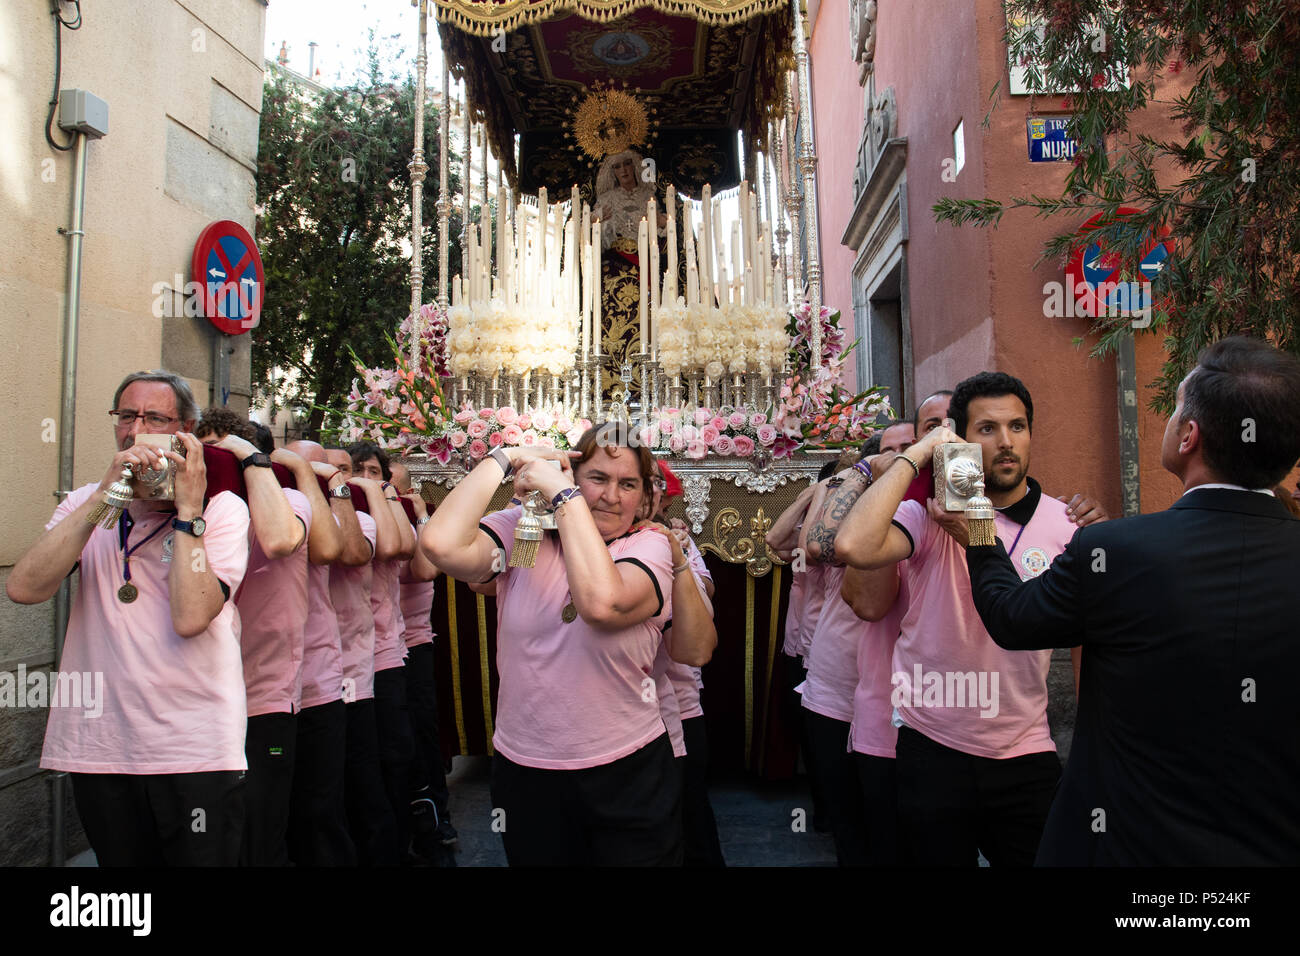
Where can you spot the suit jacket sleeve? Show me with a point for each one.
(1042, 612)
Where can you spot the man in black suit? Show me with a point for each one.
(1187, 744)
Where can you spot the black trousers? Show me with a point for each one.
(170, 819)
(370, 815)
(953, 804)
(624, 813)
(837, 778)
(269, 745)
(699, 827)
(796, 674)
(318, 822)
(396, 748)
(427, 769)
(878, 778)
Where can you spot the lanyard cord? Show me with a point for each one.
(1012, 550)
(124, 535)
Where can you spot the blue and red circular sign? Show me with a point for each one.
(228, 267)
(1093, 272)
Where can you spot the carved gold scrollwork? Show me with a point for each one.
(751, 551)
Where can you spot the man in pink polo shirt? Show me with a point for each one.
(432, 835)
(318, 826)
(392, 718)
(829, 695)
(976, 764)
(158, 773)
(370, 813)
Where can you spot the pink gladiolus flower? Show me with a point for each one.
(709, 435)
(696, 449)
(477, 428)
(723, 445)
(477, 448)
(766, 434)
(457, 439)
(744, 445)
(737, 420)
(837, 433)
(512, 434)
(506, 415)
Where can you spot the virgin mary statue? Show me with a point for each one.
(621, 196)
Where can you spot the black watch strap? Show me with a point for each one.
(258, 459)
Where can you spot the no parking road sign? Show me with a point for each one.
(1093, 272)
(227, 265)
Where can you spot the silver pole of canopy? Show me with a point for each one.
(418, 168)
(444, 200)
(808, 168)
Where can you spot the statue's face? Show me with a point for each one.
(625, 172)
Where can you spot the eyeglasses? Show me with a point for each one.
(126, 418)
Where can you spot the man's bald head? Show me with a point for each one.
(401, 477)
(307, 450)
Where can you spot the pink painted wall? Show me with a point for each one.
(975, 295)
(837, 119)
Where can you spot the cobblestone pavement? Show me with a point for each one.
(755, 820)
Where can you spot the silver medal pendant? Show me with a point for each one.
(127, 593)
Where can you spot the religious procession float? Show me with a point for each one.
(648, 252)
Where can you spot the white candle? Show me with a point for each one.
(718, 242)
(706, 245)
(543, 220)
(597, 291)
(501, 236)
(671, 238)
(585, 242)
(751, 246)
(738, 265)
(642, 265)
(653, 238)
(767, 262)
(692, 268)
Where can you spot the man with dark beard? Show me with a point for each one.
(976, 765)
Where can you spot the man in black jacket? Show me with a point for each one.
(1187, 745)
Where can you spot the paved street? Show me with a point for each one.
(754, 820)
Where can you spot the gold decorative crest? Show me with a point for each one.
(609, 121)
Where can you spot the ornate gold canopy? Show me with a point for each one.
(486, 17)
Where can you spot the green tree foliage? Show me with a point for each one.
(334, 225)
(1226, 181)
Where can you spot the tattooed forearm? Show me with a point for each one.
(833, 514)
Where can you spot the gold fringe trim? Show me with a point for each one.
(774, 619)
(486, 17)
(453, 637)
(749, 669)
(484, 673)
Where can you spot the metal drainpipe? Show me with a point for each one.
(67, 444)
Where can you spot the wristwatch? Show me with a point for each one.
(342, 491)
(258, 459)
(502, 459)
(195, 527)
